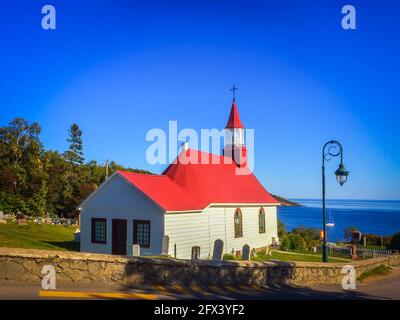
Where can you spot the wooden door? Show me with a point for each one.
(119, 233)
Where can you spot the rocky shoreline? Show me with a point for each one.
(285, 202)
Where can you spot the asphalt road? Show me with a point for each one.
(387, 287)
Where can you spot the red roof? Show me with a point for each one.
(234, 119)
(193, 186)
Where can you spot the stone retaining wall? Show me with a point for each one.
(25, 266)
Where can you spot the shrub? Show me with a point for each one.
(293, 242)
(281, 230)
(286, 244)
(309, 235)
(228, 256)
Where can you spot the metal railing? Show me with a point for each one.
(361, 253)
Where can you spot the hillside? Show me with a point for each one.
(286, 202)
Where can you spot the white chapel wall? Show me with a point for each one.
(120, 200)
(186, 230)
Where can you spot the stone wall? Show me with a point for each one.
(25, 266)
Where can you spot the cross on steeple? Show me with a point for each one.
(234, 91)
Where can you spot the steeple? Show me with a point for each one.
(234, 119)
(234, 144)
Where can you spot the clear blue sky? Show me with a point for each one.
(119, 68)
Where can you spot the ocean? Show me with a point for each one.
(369, 216)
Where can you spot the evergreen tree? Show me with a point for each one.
(75, 153)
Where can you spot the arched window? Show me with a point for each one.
(261, 221)
(238, 224)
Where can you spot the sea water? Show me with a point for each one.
(380, 217)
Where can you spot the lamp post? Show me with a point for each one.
(331, 150)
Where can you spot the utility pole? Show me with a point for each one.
(106, 169)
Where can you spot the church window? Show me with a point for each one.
(238, 224)
(261, 221)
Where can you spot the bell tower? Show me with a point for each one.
(234, 144)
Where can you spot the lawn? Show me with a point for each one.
(34, 236)
(378, 271)
(292, 257)
(283, 256)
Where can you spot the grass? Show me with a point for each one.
(287, 257)
(34, 236)
(378, 271)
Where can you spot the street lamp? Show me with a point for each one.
(330, 150)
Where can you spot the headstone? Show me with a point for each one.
(21, 219)
(136, 250)
(77, 236)
(218, 249)
(165, 246)
(246, 252)
(195, 253)
(314, 249)
(2, 221)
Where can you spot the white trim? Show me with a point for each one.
(82, 204)
(137, 188)
(266, 204)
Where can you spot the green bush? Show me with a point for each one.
(293, 242)
(308, 234)
(228, 256)
(286, 243)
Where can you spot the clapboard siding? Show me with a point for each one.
(119, 200)
(186, 230)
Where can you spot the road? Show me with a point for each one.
(387, 287)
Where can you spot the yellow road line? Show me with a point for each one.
(199, 290)
(96, 295)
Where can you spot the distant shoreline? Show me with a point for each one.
(286, 203)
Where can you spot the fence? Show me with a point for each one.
(362, 253)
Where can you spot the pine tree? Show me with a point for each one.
(75, 153)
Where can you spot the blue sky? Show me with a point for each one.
(119, 68)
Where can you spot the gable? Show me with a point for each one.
(118, 195)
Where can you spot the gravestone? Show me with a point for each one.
(218, 249)
(136, 250)
(2, 218)
(21, 219)
(165, 246)
(77, 236)
(246, 252)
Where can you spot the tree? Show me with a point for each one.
(22, 176)
(34, 181)
(348, 233)
(75, 153)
